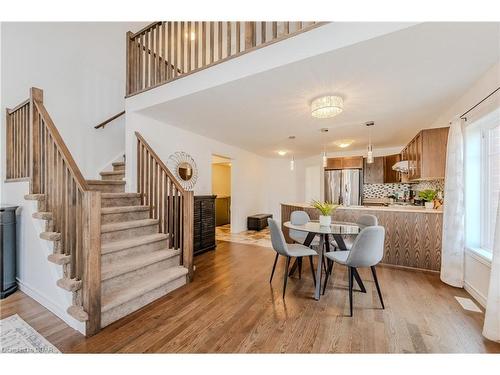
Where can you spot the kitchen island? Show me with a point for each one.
(412, 234)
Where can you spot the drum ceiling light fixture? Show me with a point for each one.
(327, 106)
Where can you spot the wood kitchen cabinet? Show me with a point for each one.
(391, 176)
(374, 173)
(350, 162)
(426, 154)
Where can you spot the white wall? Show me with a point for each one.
(81, 68)
(477, 265)
(248, 176)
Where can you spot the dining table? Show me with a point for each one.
(337, 229)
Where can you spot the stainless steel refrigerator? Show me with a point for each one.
(344, 186)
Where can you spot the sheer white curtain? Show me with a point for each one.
(453, 246)
(491, 329)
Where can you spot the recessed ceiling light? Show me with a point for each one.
(327, 106)
(343, 143)
(281, 153)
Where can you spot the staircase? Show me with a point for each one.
(118, 251)
(137, 265)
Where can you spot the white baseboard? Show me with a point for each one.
(51, 306)
(478, 296)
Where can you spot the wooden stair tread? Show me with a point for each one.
(126, 265)
(42, 215)
(35, 197)
(122, 209)
(151, 282)
(71, 285)
(118, 164)
(50, 236)
(78, 313)
(59, 258)
(127, 225)
(114, 246)
(105, 182)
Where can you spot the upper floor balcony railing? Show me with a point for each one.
(165, 51)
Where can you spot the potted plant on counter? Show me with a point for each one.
(428, 196)
(326, 209)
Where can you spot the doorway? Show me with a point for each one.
(221, 187)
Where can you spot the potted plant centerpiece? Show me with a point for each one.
(326, 209)
(428, 196)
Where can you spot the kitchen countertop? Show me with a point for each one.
(393, 208)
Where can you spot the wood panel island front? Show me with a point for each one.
(412, 234)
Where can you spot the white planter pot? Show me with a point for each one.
(325, 221)
(429, 205)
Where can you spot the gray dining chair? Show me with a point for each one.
(363, 220)
(301, 218)
(367, 251)
(288, 251)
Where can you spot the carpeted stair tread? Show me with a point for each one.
(114, 246)
(112, 173)
(134, 263)
(151, 282)
(121, 209)
(118, 164)
(112, 227)
(119, 195)
(106, 182)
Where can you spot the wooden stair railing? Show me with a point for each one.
(17, 142)
(74, 209)
(106, 122)
(168, 201)
(164, 51)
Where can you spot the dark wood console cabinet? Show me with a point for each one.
(204, 223)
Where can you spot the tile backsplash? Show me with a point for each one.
(384, 190)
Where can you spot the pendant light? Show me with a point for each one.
(292, 161)
(369, 156)
(324, 158)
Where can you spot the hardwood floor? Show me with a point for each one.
(230, 307)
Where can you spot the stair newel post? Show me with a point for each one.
(92, 260)
(35, 95)
(188, 224)
(128, 79)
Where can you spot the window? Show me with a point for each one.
(482, 180)
(490, 167)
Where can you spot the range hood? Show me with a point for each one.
(401, 166)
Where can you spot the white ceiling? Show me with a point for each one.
(402, 81)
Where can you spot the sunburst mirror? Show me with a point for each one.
(184, 168)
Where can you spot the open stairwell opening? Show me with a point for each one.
(118, 251)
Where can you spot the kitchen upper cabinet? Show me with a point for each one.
(374, 173)
(391, 176)
(426, 154)
(351, 162)
(334, 163)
